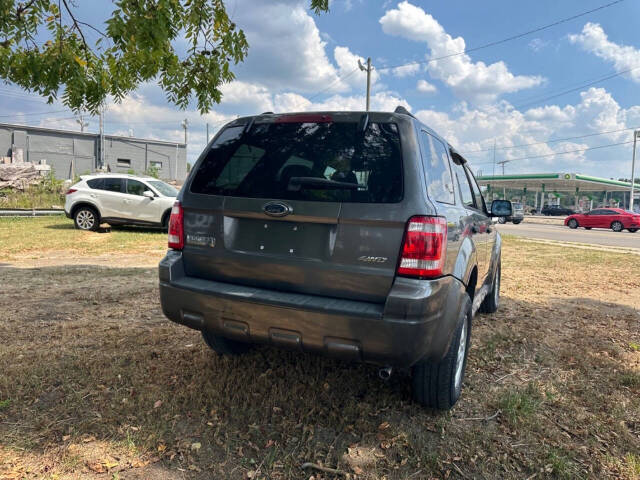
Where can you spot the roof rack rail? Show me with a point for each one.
(267, 113)
(404, 111)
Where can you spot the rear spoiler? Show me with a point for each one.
(457, 158)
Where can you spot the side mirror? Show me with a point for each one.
(148, 194)
(501, 208)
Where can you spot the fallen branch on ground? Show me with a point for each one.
(315, 466)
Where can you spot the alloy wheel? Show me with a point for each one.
(462, 349)
(85, 219)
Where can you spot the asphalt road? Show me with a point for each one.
(560, 233)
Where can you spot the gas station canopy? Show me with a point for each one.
(553, 182)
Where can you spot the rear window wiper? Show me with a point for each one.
(296, 184)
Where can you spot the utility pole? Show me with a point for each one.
(494, 156)
(101, 137)
(185, 125)
(82, 123)
(367, 69)
(633, 168)
(503, 163)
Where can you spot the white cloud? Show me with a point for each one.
(537, 44)
(286, 49)
(426, 87)
(624, 57)
(471, 130)
(406, 70)
(474, 81)
(246, 97)
(348, 62)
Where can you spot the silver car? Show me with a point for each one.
(517, 214)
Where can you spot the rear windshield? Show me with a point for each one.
(327, 162)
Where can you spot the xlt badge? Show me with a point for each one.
(201, 240)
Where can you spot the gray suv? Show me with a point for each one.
(360, 235)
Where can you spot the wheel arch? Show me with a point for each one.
(84, 203)
(165, 216)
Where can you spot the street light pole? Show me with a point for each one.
(633, 168)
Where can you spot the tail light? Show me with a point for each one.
(176, 227)
(70, 191)
(424, 247)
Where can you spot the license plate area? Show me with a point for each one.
(279, 238)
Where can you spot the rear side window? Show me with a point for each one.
(463, 185)
(96, 183)
(436, 164)
(476, 190)
(112, 184)
(329, 161)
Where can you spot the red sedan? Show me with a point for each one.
(616, 219)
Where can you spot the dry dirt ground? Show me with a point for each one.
(95, 382)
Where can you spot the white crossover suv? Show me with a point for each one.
(119, 200)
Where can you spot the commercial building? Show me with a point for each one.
(550, 188)
(72, 153)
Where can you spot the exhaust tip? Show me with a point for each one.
(385, 373)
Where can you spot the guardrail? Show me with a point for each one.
(30, 212)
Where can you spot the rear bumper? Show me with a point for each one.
(416, 322)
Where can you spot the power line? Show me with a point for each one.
(36, 113)
(544, 99)
(560, 153)
(549, 141)
(508, 39)
(344, 77)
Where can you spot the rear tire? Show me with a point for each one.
(617, 226)
(502, 220)
(86, 218)
(491, 302)
(588, 228)
(573, 223)
(438, 384)
(224, 346)
(517, 222)
(165, 221)
(633, 230)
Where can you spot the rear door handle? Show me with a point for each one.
(92, 195)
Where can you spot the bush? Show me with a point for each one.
(46, 194)
(153, 172)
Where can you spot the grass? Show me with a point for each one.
(520, 404)
(31, 198)
(96, 383)
(40, 237)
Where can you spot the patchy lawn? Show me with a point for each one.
(54, 240)
(96, 383)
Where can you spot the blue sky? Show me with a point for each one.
(300, 61)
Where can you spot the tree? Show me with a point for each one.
(138, 43)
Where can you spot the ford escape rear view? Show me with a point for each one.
(360, 235)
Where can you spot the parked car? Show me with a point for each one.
(362, 236)
(616, 219)
(516, 217)
(556, 210)
(119, 200)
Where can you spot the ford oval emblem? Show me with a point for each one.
(277, 209)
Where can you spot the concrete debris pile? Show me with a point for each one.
(19, 175)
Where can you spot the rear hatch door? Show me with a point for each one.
(298, 203)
